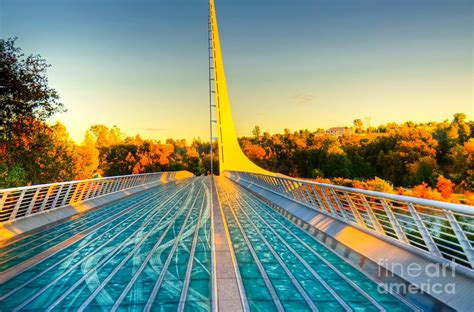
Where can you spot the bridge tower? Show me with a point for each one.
(231, 156)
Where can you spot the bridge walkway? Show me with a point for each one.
(154, 251)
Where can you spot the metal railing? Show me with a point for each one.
(21, 202)
(442, 229)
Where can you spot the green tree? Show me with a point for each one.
(257, 133)
(24, 90)
(31, 151)
(337, 165)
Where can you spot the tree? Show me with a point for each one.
(463, 129)
(337, 165)
(445, 186)
(105, 137)
(27, 144)
(379, 185)
(39, 153)
(24, 91)
(257, 133)
(86, 158)
(358, 125)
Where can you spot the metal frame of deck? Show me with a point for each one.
(363, 247)
(443, 230)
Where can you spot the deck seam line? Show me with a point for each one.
(75, 265)
(293, 279)
(124, 260)
(76, 251)
(21, 267)
(265, 277)
(84, 227)
(184, 291)
(284, 213)
(337, 271)
(164, 270)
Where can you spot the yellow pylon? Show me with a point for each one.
(231, 156)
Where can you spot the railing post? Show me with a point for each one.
(394, 222)
(288, 188)
(284, 186)
(278, 187)
(429, 242)
(306, 195)
(3, 200)
(322, 206)
(355, 211)
(274, 184)
(304, 200)
(110, 186)
(281, 186)
(270, 183)
(126, 183)
(339, 203)
(372, 216)
(65, 199)
(461, 236)
(56, 198)
(310, 196)
(90, 186)
(45, 200)
(116, 185)
(17, 205)
(81, 196)
(134, 180)
(295, 191)
(328, 200)
(98, 186)
(33, 201)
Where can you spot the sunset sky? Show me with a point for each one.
(142, 65)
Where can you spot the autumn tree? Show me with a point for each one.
(87, 158)
(105, 137)
(31, 151)
(358, 125)
(24, 91)
(445, 186)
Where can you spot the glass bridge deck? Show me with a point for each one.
(152, 251)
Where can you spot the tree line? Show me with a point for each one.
(432, 160)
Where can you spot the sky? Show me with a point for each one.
(296, 64)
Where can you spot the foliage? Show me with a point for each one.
(405, 154)
(24, 91)
(37, 153)
(445, 186)
(31, 151)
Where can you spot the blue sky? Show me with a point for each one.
(142, 65)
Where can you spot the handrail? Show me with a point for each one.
(416, 200)
(442, 229)
(21, 202)
(75, 181)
